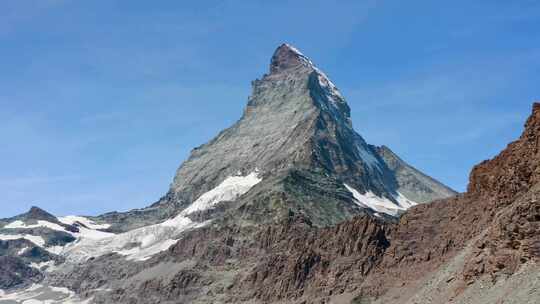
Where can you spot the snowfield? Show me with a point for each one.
(72, 219)
(40, 223)
(39, 294)
(142, 243)
(381, 204)
(84, 233)
(138, 244)
(230, 189)
(38, 240)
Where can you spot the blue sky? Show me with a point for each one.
(100, 101)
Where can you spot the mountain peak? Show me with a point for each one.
(295, 120)
(36, 213)
(287, 56)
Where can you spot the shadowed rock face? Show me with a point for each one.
(15, 272)
(36, 213)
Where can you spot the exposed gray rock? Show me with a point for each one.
(14, 272)
(36, 214)
(411, 182)
(296, 119)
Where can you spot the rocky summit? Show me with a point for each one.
(297, 125)
(291, 205)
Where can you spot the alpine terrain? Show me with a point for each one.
(291, 205)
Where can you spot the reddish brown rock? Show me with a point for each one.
(514, 170)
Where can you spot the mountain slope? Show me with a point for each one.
(292, 161)
(411, 182)
(296, 119)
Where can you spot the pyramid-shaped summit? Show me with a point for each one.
(296, 135)
(286, 57)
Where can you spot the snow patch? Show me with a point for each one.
(405, 202)
(381, 204)
(22, 250)
(73, 219)
(40, 223)
(55, 249)
(326, 83)
(144, 253)
(142, 243)
(38, 240)
(230, 189)
(39, 266)
(323, 79)
(89, 232)
(84, 233)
